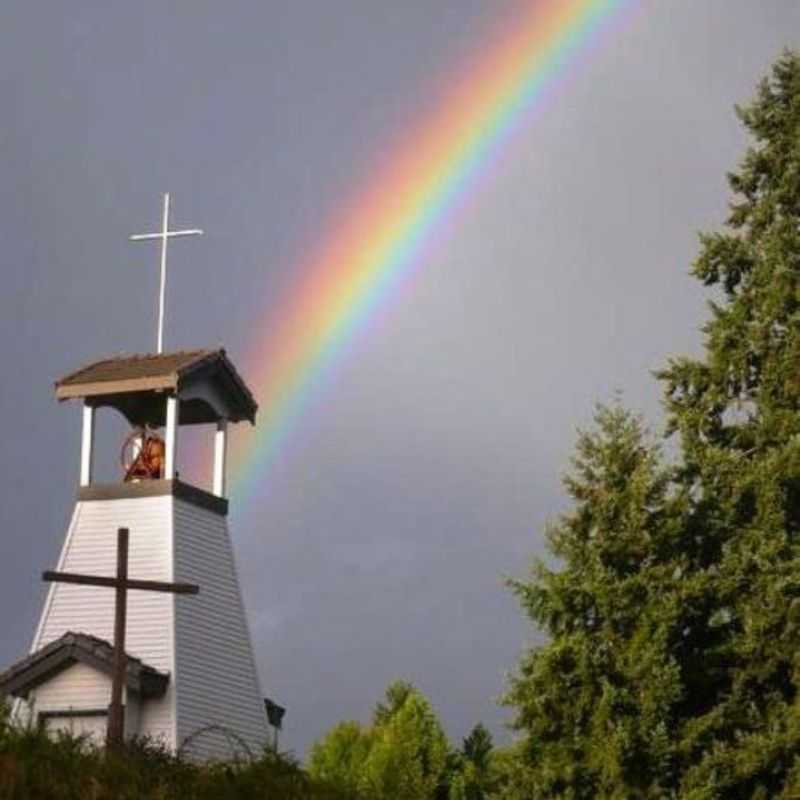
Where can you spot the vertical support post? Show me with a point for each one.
(87, 444)
(220, 456)
(115, 732)
(172, 437)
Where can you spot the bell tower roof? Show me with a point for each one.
(205, 382)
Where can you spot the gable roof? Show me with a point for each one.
(128, 383)
(153, 371)
(71, 648)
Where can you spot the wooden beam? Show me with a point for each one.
(115, 730)
(113, 583)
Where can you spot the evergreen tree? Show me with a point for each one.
(597, 702)
(471, 771)
(477, 747)
(674, 612)
(737, 413)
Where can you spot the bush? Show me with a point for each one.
(36, 765)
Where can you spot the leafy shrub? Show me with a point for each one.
(35, 765)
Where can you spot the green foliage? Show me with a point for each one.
(477, 746)
(472, 773)
(736, 411)
(403, 755)
(400, 756)
(673, 616)
(340, 757)
(34, 765)
(512, 776)
(598, 702)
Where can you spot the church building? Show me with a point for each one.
(187, 673)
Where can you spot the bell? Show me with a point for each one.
(143, 456)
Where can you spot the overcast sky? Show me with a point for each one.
(429, 466)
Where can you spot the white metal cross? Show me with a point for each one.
(164, 235)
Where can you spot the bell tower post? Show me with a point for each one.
(220, 457)
(172, 437)
(87, 444)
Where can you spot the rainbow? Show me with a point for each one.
(402, 209)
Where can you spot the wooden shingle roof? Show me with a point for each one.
(148, 371)
(124, 381)
(71, 648)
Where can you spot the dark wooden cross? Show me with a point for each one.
(115, 732)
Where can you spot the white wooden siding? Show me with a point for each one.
(201, 640)
(217, 682)
(77, 687)
(91, 548)
(94, 728)
(82, 688)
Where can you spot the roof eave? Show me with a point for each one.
(37, 668)
(101, 388)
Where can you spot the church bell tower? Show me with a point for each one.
(190, 677)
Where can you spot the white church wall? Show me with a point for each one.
(217, 682)
(78, 687)
(90, 548)
(92, 728)
(202, 640)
